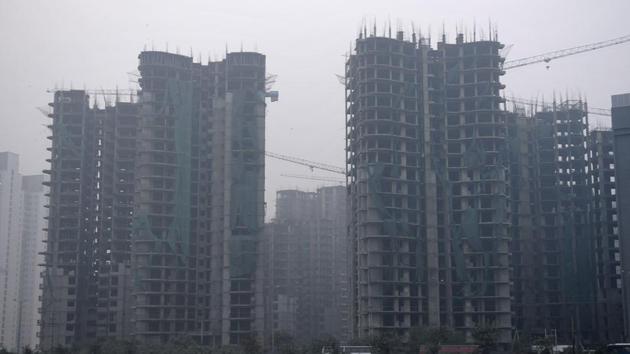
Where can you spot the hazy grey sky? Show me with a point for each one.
(95, 43)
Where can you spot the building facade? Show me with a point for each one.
(565, 240)
(34, 223)
(199, 207)
(88, 248)
(621, 139)
(157, 206)
(428, 188)
(604, 220)
(566, 278)
(22, 236)
(305, 253)
(525, 244)
(465, 215)
(10, 247)
(476, 186)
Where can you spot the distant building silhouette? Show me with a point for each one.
(22, 234)
(306, 257)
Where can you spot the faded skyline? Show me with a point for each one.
(48, 44)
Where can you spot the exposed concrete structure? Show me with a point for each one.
(87, 277)
(566, 280)
(525, 245)
(621, 133)
(477, 184)
(237, 134)
(565, 243)
(118, 128)
(306, 261)
(170, 261)
(464, 215)
(157, 207)
(604, 222)
(428, 186)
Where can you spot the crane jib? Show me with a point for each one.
(547, 57)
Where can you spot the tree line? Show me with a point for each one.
(431, 339)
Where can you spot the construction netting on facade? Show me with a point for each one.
(245, 171)
(177, 102)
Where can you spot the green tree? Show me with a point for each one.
(522, 345)
(186, 345)
(111, 346)
(546, 344)
(601, 348)
(229, 349)
(179, 345)
(432, 338)
(328, 342)
(251, 345)
(285, 343)
(60, 350)
(387, 343)
(437, 337)
(485, 337)
(360, 341)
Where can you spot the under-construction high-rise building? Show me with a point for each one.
(606, 243)
(565, 242)
(525, 246)
(476, 185)
(87, 256)
(552, 242)
(306, 257)
(621, 141)
(466, 216)
(563, 198)
(157, 206)
(426, 155)
(199, 201)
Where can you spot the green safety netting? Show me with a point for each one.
(245, 173)
(179, 98)
(178, 102)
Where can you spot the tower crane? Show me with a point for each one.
(310, 164)
(315, 178)
(549, 56)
